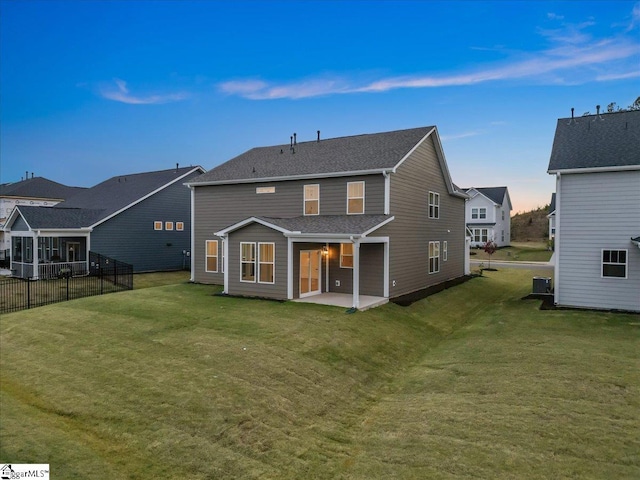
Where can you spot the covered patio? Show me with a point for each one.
(344, 300)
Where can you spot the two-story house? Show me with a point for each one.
(488, 215)
(33, 191)
(596, 162)
(143, 219)
(373, 215)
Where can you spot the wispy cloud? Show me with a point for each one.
(457, 136)
(119, 92)
(573, 56)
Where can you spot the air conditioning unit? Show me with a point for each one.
(541, 285)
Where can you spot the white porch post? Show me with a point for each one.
(36, 260)
(225, 262)
(289, 268)
(356, 274)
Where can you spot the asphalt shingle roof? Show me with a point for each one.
(495, 194)
(120, 191)
(596, 141)
(54, 217)
(39, 187)
(334, 155)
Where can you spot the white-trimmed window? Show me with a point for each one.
(168, 225)
(502, 215)
(311, 199)
(346, 255)
(502, 236)
(211, 256)
(179, 226)
(266, 262)
(434, 257)
(355, 198)
(614, 263)
(157, 225)
(434, 205)
(445, 252)
(478, 213)
(480, 235)
(247, 262)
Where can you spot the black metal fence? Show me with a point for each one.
(105, 275)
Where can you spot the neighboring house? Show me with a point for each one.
(34, 191)
(488, 216)
(372, 214)
(552, 217)
(143, 219)
(596, 161)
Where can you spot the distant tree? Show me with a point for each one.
(613, 108)
(490, 248)
(635, 105)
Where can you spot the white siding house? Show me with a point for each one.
(488, 215)
(596, 160)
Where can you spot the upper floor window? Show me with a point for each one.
(180, 226)
(157, 225)
(614, 263)
(434, 205)
(211, 256)
(168, 225)
(355, 197)
(477, 213)
(503, 215)
(311, 199)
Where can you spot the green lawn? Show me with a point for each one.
(517, 251)
(172, 382)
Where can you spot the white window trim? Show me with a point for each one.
(445, 253)
(355, 198)
(255, 266)
(179, 226)
(304, 203)
(260, 263)
(345, 255)
(436, 249)
(168, 226)
(480, 229)
(603, 263)
(155, 225)
(435, 205)
(207, 256)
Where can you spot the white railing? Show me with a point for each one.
(55, 270)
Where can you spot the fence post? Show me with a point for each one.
(28, 293)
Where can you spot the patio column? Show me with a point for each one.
(356, 274)
(36, 260)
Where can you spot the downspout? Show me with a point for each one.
(225, 263)
(556, 245)
(387, 192)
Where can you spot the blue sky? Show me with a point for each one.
(93, 89)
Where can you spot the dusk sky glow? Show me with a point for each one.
(93, 89)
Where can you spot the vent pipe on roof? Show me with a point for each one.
(598, 116)
(32, 174)
(291, 139)
(177, 166)
(318, 135)
(295, 141)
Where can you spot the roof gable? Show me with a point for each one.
(49, 218)
(123, 191)
(605, 141)
(495, 194)
(354, 154)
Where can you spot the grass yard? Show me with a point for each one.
(518, 251)
(172, 382)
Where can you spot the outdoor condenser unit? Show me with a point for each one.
(541, 285)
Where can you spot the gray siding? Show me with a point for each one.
(258, 233)
(412, 230)
(597, 211)
(19, 225)
(130, 236)
(217, 207)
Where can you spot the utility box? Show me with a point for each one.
(541, 285)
